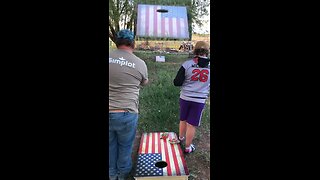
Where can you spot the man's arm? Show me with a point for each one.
(144, 76)
(178, 81)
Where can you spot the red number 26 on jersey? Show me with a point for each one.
(200, 75)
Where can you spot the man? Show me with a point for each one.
(194, 79)
(126, 73)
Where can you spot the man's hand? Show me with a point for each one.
(144, 82)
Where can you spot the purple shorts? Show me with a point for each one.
(191, 112)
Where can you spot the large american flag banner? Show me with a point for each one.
(172, 24)
(154, 149)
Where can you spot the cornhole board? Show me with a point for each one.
(153, 151)
(160, 59)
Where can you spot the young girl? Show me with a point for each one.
(194, 79)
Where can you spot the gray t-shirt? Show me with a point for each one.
(126, 73)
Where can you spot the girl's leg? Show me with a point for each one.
(183, 116)
(182, 129)
(193, 121)
(190, 133)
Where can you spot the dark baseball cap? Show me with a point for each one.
(125, 34)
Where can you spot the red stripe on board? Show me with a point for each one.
(178, 28)
(159, 143)
(155, 22)
(183, 161)
(153, 143)
(139, 25)
(147, 21)
(175, 160)
(141, 142)
(147, 143)
(163, 28)
(170, 27)
(167, 158)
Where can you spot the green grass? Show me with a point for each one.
(159, 100)
(159, 109)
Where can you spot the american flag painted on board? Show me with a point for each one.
(153, 149)
(145, 165)
(173, 24)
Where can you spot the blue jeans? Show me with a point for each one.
(122, 131)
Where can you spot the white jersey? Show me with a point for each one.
(196, 85)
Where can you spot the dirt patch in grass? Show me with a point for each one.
(198, 162)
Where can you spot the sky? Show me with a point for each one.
(206, 25)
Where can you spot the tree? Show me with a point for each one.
(121, 16)
(196, 11)
(122, 13)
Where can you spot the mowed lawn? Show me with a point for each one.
(159, 110)
(159, 100)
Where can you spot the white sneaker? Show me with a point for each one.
(191, 149)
